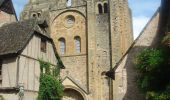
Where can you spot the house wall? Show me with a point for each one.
(29, 68)
(9, 72)
(9, 96)
(6, 18)
(25, 69)
(28, 95)
(125, 87)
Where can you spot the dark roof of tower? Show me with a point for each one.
(7, 6)
(15, 36)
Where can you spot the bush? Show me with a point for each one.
(154, 68)
(51, 87)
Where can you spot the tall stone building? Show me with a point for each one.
(90, 36)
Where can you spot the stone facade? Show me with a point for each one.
(104, 29)
(124, 73)
(125, 87)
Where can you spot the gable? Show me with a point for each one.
(68, 81)
(14, 36)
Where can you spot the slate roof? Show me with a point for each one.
(7, 6)
(15, 36)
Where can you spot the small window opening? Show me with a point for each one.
(100, 8)
(62, 44)
(77, 44)
(69, 3)
(39, 14)
(43, 45)
(105, 8)
(34, 15)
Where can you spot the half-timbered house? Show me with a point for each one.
(22, 44)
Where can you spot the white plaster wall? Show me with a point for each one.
(9, 72)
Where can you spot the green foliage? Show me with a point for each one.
(46, 66)
(1, 97)
(149, 60)
(165, 39)
(51, 87)
(154, 68)
(162, 95)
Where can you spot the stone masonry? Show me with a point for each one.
(104, 29)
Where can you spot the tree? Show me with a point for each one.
(154, 68)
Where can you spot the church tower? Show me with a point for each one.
(90, 36)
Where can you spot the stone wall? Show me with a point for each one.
(102, 41)
(125, 87)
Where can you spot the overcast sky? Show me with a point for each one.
(142, 11)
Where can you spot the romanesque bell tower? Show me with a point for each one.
(90, 36)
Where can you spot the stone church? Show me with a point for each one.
(90, 36)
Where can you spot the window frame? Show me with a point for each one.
(105, 7)
(77, 42)
(100, 8)
(62, 46)
(43, 45)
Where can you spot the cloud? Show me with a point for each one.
(142, 11)
(138, 24)
(144, 7)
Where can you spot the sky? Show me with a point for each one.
(142, 11)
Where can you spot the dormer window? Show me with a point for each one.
(69, 3)
(43, 45)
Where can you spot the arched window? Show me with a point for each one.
(62, 45)
(69, 3)
(77, 44)
(105, 8)
(100, 8)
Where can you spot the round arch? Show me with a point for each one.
(97, 8)
(74, 93)
(66, 12)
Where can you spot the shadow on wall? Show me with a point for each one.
(129, 71)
